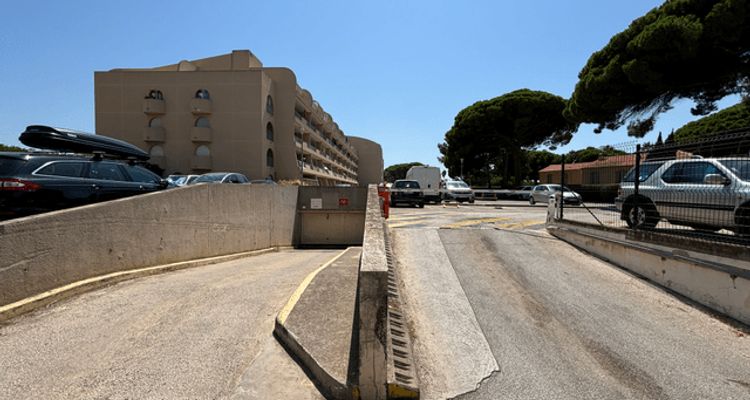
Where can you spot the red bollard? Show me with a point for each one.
(385, 203)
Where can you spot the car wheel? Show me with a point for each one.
(531, 200)
(471, 201)
(420, 205)
(642, 216)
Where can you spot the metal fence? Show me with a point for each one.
(698, 189)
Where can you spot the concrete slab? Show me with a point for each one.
(274, 375)
(316, 325)
(452, 353)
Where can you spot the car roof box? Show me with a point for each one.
(68, 140)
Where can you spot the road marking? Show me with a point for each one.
(410, 217)
(519, 225)
(284, 313)
(406, 223)
(476, 221)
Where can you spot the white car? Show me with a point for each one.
(458, 191)
(542, 194)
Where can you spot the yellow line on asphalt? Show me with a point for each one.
(516, 225)
(284, 313)
(407, 223)
(476, 221)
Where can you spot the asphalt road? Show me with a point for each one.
(560, 323)
(198, 333)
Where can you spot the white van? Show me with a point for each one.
(429, 180)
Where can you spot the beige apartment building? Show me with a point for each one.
(229, 113)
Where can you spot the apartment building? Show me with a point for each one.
(230, 113)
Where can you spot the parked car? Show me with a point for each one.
(542, 193)
(407, 192)
(32, 183)
(181, 180)
(458, 191)
(522, 192)
(429, 181)
(706, 194)
(221, 177)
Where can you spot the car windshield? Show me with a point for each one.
(209, 178)
(457, 185)
(739, 167)
(556, 188)
(645, 171)
(406, 185)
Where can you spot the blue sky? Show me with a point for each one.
(396, 72)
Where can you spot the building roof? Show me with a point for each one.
(625, 160)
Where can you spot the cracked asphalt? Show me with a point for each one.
(562, 324)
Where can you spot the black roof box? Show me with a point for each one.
(68, 140)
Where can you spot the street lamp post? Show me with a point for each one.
(462, 168)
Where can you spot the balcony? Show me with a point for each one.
(200, 134)
(154, 134)
(154, 106)
(201, 163)
(161, 161)
(200, 106)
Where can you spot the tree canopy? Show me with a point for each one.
(694, 49)
(16, 149)
(493, 132)
(398, 171)
(737, 116)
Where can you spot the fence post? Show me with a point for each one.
(562, 186)
(637, 176)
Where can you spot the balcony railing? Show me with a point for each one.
(200, 134)
(154, 106)
(200, 106)
(154, 134)
(201, 163)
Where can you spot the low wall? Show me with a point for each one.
(373, 302)
(720, 283)
(51, 250)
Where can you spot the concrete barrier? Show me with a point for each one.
(51, 250)
(717, 281)
(373, 303)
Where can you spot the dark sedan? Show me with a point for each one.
(407, 192)
(32, 183)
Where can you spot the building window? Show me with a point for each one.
(269, 132)
(155, 94)
(269, 158)
(202, 94)
(202, 151)
(155, 122)
(269, 105)
(156, 151)
(202, 122)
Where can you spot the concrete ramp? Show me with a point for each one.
(316, 325)
(451, 352)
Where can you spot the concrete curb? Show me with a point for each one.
(718, 286)
(329, 386)
(51, 296)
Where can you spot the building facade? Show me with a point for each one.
(229, 113)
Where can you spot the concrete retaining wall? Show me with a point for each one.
(373, 303)
(51, 250)
(720, 284)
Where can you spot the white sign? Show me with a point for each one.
(316, 204)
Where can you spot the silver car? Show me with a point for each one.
(542, 194)
(707, 194)
(458, 191)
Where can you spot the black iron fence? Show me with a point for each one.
(698, 188)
